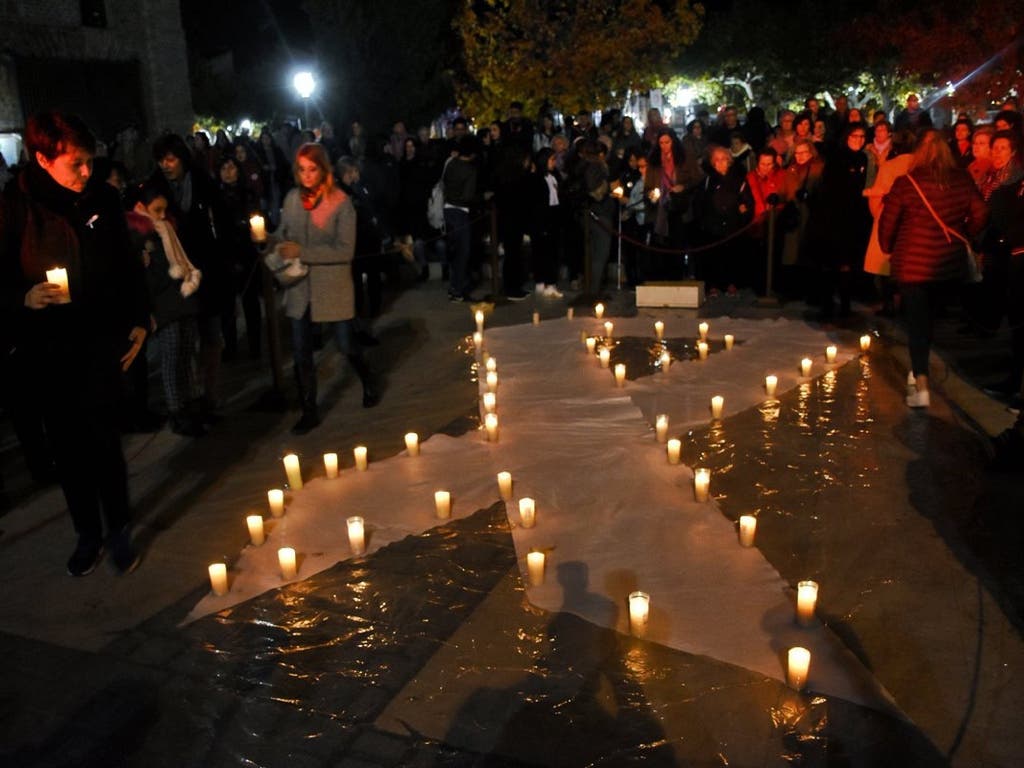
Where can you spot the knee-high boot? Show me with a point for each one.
(370, 394)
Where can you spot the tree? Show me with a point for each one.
(568, 53)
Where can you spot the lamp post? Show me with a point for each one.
(305, 84)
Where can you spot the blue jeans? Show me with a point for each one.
(459, 240)
(302, 353)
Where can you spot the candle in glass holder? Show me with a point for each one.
(673, 450)
(275, 498)
(59, 277)
(492, 380)
(219, 578)
(331, 465)
(639, 612)
(805, 367)
(702, 349)
(286, 560)
(478, 344)
(535, 567)
(491, 425)
(569, 313)
(258, 228)
(620, 374)
(798, 667)
(703, 329)
(659, 330)
(490, 402)
(748, 527)
(356, 535)
(536, 318)
(806, 600)
(479, 317)
(591, 344)
(661, 427)
(491, 364)
(771, 383)
(255, 525)
(443, 504)
(701, 484)
(729, 340)
(505, 485)
(412, 443)
(665, 360)
(717, 405)
(359, 454)
(292, 469)
(605, 356)
(599, 310)
(527, 512)
(609, 327)
(830, 353)
(865, 343)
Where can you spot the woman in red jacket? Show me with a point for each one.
(927, 217)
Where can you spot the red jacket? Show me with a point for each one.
(920, 250)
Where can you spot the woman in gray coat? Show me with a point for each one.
(318, 227)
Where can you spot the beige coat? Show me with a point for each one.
(876, 261)
(327, 236)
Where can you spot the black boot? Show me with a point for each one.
(370, 395)
(310, 420)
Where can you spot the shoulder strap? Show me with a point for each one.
(946, 229)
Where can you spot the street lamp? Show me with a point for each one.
(305, 85)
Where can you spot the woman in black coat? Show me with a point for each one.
(722, 206)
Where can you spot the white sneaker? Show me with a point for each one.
(553, 292)
(541, 289)
(911, 384)
(919, 399)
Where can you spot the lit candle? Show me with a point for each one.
(490, 402)
(639, 612)
(527, 512)
(286, 560)
(865, 343)
(806, 600)
(702, 349)
(219, 578)
(665, 360)
(609, 328)
(591, 344)
(605, 355)
(275, 498)
(703, 330)
(717, 404)
(701, 483)
(478, 344)
(830, 353)
(748, 527)
(569, 313)
(356, 535)
(659, 330)
(479, 317)
(805, 367)
(798, 667)
(359, 453)
(331, 465)
(443, 504)
(505, 485)
(620, 374)
(491, 364)
(492, 380)
(599, 310)
(536, 318)
(673, 449)
(255, 525)
(491, 425)
(291, 468)
(412, 443)
(59, 277)
(535, 567)
(729, 340)
(661, 427)
(771, 383)
(258, 228)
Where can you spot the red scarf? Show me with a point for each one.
(311, 197)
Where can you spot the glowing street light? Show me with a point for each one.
(304, 84)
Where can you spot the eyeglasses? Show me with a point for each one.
(860, 136)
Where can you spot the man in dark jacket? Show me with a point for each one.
(72, 342)
(460, 196)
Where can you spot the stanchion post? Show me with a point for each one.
(494, 249)
(588, 250)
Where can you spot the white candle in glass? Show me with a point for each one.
(255, 525)
(771, 383)
(505, 485)
(218, 578)
(748, 527)
(599, 310)
(294, 472)
(535, 567)
(605, 355)
(729, 340)
(665, 360)
(830, 353)
(331, 465)
(805, 366)
(490, 402)
(492, 381)
(59, 277)
(478, 344)
(479, 317)
(798, 667)
(288, 564)
(412, 443)
(717, 405)
(527, 512)
(701, 484)
(865, 343)
(356, 535)
(639, 612)
(536, 318)
(443, 504)
(659, 330)
(591, 344)
(806, 600)
(275, 498)
(661, 427)
(491, 425)
(673, 450)
(702, 350)
(703, 329)
(609, 328)
(620, 374)
(491, 364)
(258, 228)
(359, 454)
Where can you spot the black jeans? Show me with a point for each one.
(921, 302)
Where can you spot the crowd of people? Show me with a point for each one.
(825, 206)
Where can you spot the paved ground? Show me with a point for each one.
(920, 541)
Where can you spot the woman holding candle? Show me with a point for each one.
(318, 224)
